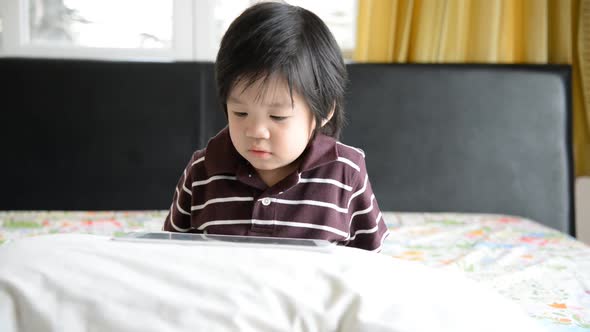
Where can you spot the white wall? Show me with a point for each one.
(583, 209)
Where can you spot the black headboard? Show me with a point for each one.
(96, 135)
(469, 138)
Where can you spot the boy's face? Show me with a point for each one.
(267, 129)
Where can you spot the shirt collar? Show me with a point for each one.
(320, 151)
(221, 156)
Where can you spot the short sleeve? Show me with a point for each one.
(367, 227)
(179, 215)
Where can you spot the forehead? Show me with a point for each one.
(266, 89)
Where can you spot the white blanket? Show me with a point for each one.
(81, 283)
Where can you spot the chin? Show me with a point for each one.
(264, 167)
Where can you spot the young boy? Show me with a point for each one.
(277, 170)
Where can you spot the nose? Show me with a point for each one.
(257, 130)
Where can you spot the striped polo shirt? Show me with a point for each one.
(329, 197)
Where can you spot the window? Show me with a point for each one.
(339, 16)
(105, 23)
(106, 29)
(141, 30)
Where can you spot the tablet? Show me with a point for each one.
(228, 240)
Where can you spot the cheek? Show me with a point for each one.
(235, 126)
(234, 133)
(299, 135)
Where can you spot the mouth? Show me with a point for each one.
(259, 153)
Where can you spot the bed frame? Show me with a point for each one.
(99, 135)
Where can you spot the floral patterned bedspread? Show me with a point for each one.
(545, 271)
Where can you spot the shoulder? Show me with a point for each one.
(197, 158)
(349, 150)
(195, 163)
(351, 155)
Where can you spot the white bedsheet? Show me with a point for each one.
(74, 282)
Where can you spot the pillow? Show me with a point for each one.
(85, 282)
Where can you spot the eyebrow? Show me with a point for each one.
(274, 104)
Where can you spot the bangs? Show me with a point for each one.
(269, 82)
(267, 85)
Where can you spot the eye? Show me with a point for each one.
(278, 118)
(240, 114)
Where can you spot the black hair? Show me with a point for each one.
(272, 38)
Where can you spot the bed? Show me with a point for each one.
(472, 168)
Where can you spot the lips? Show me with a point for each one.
(259, 152)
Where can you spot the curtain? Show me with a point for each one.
(485, 31)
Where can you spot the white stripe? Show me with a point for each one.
(364, 231)
(306, 225)
(213, 178)
(365, 211)
(273, 222)
(330, 181)
(352, 147)
(172, 221)
(349, 162)
(368, 231)
(223, 222)
(310, 202)
(362, 190)
(198, 161)
(178, 204)
(386, 234)
(221, 200)
(378, 218)
(183, 186)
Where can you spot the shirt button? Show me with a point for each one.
(266, 201)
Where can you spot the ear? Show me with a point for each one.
(326, 120)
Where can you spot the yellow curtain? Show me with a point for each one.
(485, 31)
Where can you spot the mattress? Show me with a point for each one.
(462, 260)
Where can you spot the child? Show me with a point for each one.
(277, 170)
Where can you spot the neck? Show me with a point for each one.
(272, 177)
